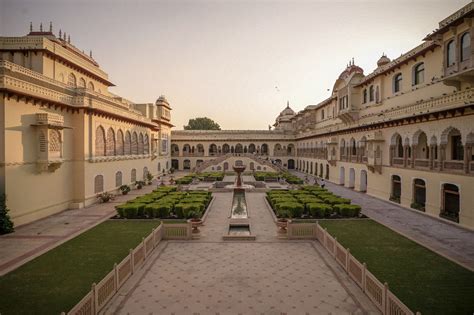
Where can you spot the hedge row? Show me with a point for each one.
(166, 202)
(310, 200)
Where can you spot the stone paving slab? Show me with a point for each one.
(238, 278)
(448, 240)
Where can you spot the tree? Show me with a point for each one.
(202, 123)
(6, 225)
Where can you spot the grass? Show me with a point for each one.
(57, 280)
(420, 278)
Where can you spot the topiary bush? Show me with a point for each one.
(131, 210)
(6, 225)
(295, 208)
(319, 210)
(184, 210)
(158, 210)
(333, 200)
(347, 210)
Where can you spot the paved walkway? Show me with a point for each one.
(266, 276)
(446, 239)
(31, 240)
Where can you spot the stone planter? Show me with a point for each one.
(195, 223)
(282, 225)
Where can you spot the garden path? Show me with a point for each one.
(446, 239)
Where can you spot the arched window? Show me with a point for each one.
(119, 148)
(419, 73)
(353, 147)
(399, 147)
(396, 188)
(134, 144)
(465, 46)
(99, 141)
(141, 144)
(146, 145)
(98, 184)
(364, 96)
(419, 194)
(133, 175)
(450, 53)
(371, 93)
(118, 179)
(127, 146)
(71, 80)
(397, 83)
(82, 83)
(90, 86)
(451, 204)
(110, 142)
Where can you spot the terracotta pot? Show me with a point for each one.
(282, 224)
(195, 223)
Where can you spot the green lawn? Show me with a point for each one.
(423, 280)
(58, 279)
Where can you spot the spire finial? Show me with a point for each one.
(60, 33)
(352, 60)
(69, 39)
(64, 36)
(31, 26)
(90, 53)
(287, 104)
(51, 26)
(41, 27)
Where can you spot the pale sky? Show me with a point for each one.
(223, 59)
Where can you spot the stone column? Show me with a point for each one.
(431, 150)
(441, 156)
(413, 155)
(467, 155)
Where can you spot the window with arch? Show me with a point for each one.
(364, 96)
(81, 83)
(71, 80)
(396, 188)
(419, 194)
(110, 146)
(353, 147)
(371, 93)
(450, 53)
(399, 147)
(90, 86)
(118, 179)
(134, 144)
(451, 202)
(120, 145)
(133, 175)
(127, 146)
(141, 144)
(465, 46)
(397, 83)
(419, 73)
(100, 141)
(146, 145)
(98, 184)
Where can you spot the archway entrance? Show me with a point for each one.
(291, 164)
(351, 178)
(363, 181)
(175, 164)
(341, 176)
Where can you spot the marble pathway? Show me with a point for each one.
(266, 276)
(446, 239)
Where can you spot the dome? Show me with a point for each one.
(162, 99)
(351, 68)
(287, 111)
(383, 61)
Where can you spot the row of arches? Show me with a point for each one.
(215, 149)
(450, 206)
(113, 143)
(72, 81)
(99, 179)
(313, 168)
(352, 178)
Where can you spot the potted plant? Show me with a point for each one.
(171, 170)
(139, 184)
(105, 197)
(283, 219)
(124, 189)
(149, 178)
(195, 220)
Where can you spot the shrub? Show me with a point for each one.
(165, 189)
(346, 210)
(296, 209)
(183, 210)
(333, 200)
(284, 214)
(131, 210)
(158, 210)
(319, 210)
(6, 225)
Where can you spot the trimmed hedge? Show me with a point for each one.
(319, 210)
(158, 210)
(295, 208)
(347, 210)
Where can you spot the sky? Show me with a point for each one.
(236, 62)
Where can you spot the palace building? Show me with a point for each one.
(65, 137)
(403, 132)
